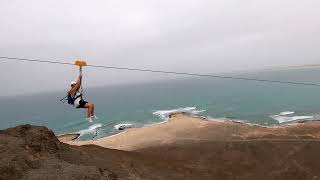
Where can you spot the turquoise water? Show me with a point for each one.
(252, 102)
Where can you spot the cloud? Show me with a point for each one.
(186, 35)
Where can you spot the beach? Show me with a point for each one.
(184, 128)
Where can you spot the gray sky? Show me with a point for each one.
(202, 36)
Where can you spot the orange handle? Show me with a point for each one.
(80, 63)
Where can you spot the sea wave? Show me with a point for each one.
(284, 113)
(288, 116)
(123, 126)
(164, 114)
(91, 129)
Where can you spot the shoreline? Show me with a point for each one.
(72, 136)
(183, 127)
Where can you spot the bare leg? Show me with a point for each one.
(88, 112)
(89, 107)
(92, 110)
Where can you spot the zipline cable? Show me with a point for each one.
(161, 71)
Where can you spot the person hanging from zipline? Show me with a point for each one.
(75, 99)
(75, 94)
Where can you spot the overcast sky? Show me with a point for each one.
(202, 36)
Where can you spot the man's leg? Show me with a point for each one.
(90, 108)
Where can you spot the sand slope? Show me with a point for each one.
(183, 128)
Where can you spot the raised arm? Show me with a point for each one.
(77, 86)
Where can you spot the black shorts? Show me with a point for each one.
(82, 103)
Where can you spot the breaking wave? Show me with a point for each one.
(91, 129)
(123, 126)
(288, 116)
(164, 114)
(286, 113)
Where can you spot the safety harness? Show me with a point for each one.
(72, 99)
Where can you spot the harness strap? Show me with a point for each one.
(80, 95)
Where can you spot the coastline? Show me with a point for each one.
(182, 127)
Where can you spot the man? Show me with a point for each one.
(75, 99)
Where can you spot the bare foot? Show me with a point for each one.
(89, 120)
(94, 117)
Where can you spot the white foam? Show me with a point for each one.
(284, 117)
(164, 114)
(91, 129)
(286, 113)
(95, 126)
(123, 126)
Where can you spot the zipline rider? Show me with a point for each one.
(75, 99)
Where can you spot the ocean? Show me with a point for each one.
(137, 105)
